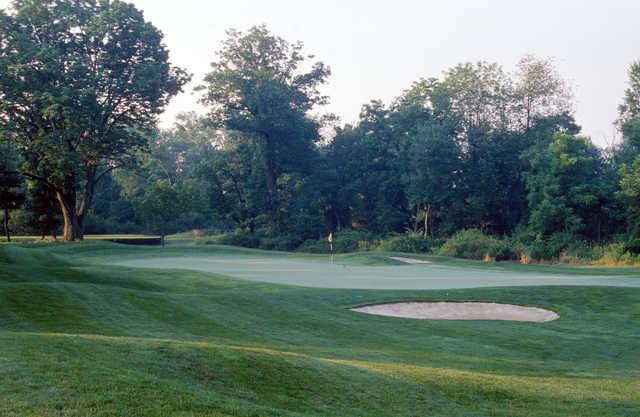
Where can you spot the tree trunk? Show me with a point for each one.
(6, 224)
(87, 198)
(415, 221)
(71, 230)
(427, 209)
(270, 181)
(271, 184)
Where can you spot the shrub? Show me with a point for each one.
(550, 248)
(350, 240)
(346, 240)
(314, 246)
(282, 243)
(618, 253)
(470, 244)
(632, 246)
(237, 238)
(581, 252)
(409, 242)
(504, 250)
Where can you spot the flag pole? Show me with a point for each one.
(331, 253)
(330, 239)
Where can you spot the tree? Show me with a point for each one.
(159, 208)
(630, 193)
(258, 89)
(492, 181)
(234, 181)
(369, 172)
(629, 111)
(629, 124)
(434, 165)
(539, 91)
(565, 193)
(11, 198)
(111, 211)
(82, 84)
(41, 207)
(11, 185)
(477, 96)
(497, 118)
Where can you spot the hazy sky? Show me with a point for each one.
(377, 48)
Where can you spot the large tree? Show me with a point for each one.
(630, 195)
(433, 168)
(539, 92)
(369, 171)
(182, 157)
(159, 208)
(263, 88)
(629, 111)
(629, 124)
(11, 185)
(476, 95)
(41, 210)
(81, 85)
(565, 190)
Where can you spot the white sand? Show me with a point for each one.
(459, 311)
(409, 260)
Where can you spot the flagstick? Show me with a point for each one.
(330, 239)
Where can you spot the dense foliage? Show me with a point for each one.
(81, 84)
(481, 150)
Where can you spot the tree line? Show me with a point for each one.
(477, 148)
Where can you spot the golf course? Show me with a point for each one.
(103, 329)
(432, 209)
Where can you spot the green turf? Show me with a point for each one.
(49, 239)
(367, 270)
(80, 338)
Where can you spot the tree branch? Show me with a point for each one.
(105, 172)
(33, 177)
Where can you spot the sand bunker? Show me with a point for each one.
(459, 311)
(409, 260)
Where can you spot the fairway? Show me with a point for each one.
(82, 336)
(317, 272)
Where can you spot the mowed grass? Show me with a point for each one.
(48, 239)
(80, 339)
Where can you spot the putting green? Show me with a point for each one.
(321, 274)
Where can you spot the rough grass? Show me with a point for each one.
(80, 339)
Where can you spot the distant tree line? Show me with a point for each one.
(478, 148)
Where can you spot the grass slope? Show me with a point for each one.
(80, 339)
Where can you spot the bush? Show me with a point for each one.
(504, 250)
(351, 240)
(314, 246)
(618, 253)
(409, 242)
(632, 246)
(281, 243)
(581, 252)
(237, 238)
(346, 240)
(470, 244)
(550, 248)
